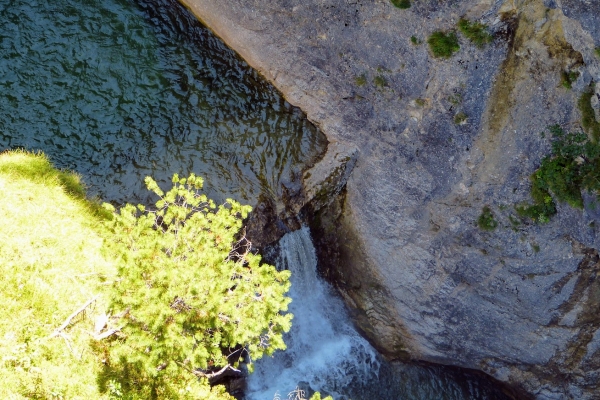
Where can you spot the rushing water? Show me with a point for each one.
(326, 354)
(324, 351)
(121, 89)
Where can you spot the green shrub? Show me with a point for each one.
(486, 220)
(476, 32)
(190, 293)
(567, 78)
(443, 44)
(403, 4)
(573, 166)
(588, 116)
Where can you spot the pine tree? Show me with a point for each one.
(190, 297)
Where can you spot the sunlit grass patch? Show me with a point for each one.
(51, 263)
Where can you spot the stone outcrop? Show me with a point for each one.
(401, 241)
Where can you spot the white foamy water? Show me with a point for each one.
(323, 350)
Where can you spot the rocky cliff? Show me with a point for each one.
(426, 144)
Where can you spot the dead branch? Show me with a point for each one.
(213, 375)
(67, 341)
(67, 322)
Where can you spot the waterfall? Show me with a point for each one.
(324, 351)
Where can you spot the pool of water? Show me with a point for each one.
(121, 89)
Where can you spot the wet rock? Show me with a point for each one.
(401, 241)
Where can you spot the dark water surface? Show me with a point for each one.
(120, 89)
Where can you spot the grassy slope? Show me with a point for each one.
(51, 264)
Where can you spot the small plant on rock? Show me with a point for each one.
(588, 115)
(567, 78)
(360, 80)
(460, 118)
(573, 166)
(443, 45)
(486, 220)
(380, 81)
(455, 99)
(403, 4)
(476, 32)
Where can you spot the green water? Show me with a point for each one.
(121, 89)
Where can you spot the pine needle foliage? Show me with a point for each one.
(192, 295)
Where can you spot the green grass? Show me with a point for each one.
(588, 116)
(51, 263)
(443, 45)
(567, 78)
(460, 118)
(403, 4)
(486, 220)
(414, 40)
(598, 51)
(476, 32)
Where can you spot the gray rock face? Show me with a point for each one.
(521, 302)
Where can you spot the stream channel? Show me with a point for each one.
(121, 89)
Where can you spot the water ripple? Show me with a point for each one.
(121, 89)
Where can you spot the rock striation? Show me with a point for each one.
(422, 145)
